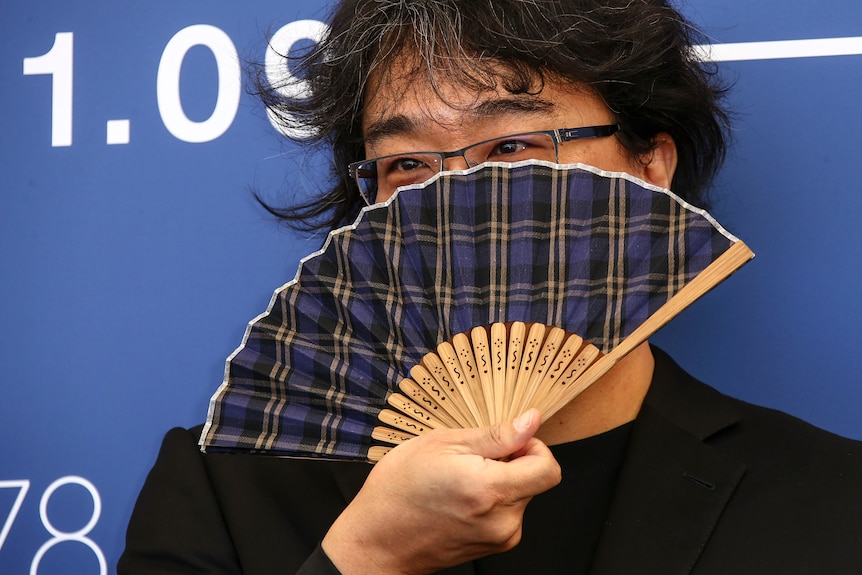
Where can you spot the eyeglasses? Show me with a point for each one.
(383, 175)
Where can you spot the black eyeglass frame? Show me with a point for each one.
(559, 136)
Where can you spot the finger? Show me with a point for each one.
(533, 471)
(504, 439)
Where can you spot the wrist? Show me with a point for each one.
(351, 553)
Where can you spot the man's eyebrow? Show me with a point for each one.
(397, 125)
(511, 106)
(402, 125)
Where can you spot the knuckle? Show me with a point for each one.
(556, 474)
(506, 533)
(495, 434)
(481, 502)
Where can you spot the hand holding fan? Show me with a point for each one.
(482, 268)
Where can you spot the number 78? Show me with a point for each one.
(58, 536)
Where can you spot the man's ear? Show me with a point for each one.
(660, 164)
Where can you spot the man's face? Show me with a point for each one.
(406, 114)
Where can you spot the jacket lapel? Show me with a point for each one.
(673, 486)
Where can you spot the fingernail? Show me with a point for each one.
(523, 421)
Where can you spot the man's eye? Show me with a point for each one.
(398, 171)
(509, 147)
(406, 165)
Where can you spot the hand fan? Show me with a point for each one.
(395, 325)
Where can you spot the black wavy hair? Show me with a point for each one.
(637, 55)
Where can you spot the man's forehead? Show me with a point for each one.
(407, 84)
(406, 117)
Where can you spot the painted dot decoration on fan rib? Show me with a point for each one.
(600, 255)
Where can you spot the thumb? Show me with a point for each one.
(504, 439)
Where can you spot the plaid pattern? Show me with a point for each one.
(591, 252)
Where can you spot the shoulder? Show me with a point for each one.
(258, 511)
(259, 484)
(790, 466)
(735, 425)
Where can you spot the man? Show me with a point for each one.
(648, 471)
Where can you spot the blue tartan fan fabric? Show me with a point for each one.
(570, 246)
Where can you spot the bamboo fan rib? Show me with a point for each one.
(448, 305)
(494, 375)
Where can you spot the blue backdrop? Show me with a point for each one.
(133, 255)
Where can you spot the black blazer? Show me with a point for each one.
(709, 485)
